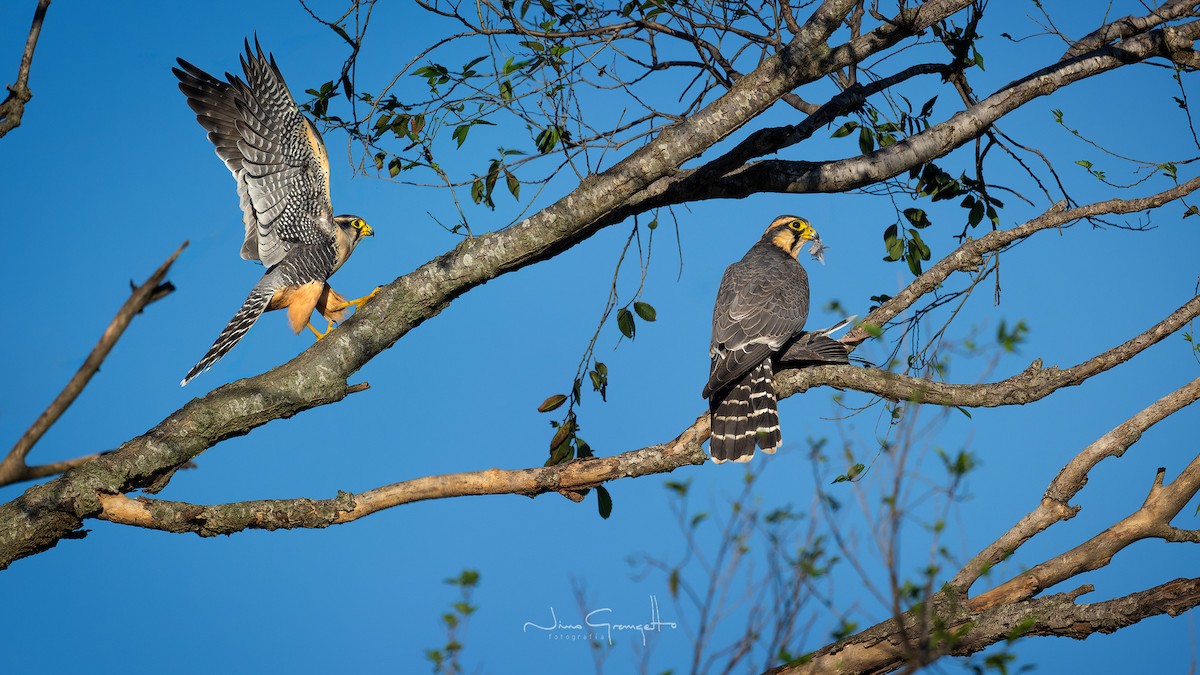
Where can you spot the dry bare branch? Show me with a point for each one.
(13, 468)
(13, 107)
(566, 479)
(994, 615)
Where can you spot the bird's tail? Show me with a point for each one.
(746, 416)
(241, 322)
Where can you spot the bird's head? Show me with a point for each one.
(790, 233)
(356, 228)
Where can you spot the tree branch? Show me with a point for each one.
(1055, 505)
(1153, 519)
(1010, 609)
(13, 468)
(13, 107)
(883, 647)
(46, 513)
(1131, 25)
(1032, 384)
(574, 477)
(938, 140)
(585, 474)
(969, 255)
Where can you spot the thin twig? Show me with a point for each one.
(13, 467)
(13, 106)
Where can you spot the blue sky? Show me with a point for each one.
(109, 172)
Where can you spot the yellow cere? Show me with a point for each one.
(803, 228)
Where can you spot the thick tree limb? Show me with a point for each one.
(886, 647)
(13, 107)
(273, 514)
(318, 376)
(13, 468)
(682, 451)
(46, 513)
(1032, 384)
(936, 141)
(992, 616)
(1132, 25)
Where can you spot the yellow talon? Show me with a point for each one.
(318, 333)
(361, 301)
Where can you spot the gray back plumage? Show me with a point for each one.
(762, 303)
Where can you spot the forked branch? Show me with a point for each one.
(13, 468)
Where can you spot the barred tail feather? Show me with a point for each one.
(241, 322)
(747, 416)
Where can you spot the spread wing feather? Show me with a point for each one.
(274, 153)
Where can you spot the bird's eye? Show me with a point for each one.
(797, 225)
(357, 223)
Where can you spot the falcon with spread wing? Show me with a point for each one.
(279, 162)
(761, 307)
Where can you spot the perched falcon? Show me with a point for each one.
(282, 171)
(761, 307)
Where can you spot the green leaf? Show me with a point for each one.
(852, 473)
(514, 185)
(547, 140)
(845, 129)
(1084, 163)
(874, 330)
(976, 215)
(460, 133)
(560, 445)
(963, 411)
(922, 247)
(552, 403)
(582, 449)
(645, 311)
(866, 140)
(342, 32)
(913, 258)
(917, 217)
(893, 243)
(467, 69)
(604, 502)
(680, 488)
(928, 107)
(506, 91)
(625, 323)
